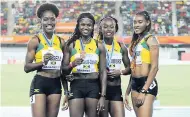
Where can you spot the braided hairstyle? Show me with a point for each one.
(76, 34)
(100, 34)
(135, 38)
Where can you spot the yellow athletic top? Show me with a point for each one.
(141, 53)
(114, 59)
(44, 48)
(91, 56)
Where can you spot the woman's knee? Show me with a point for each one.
(76, 107)
(117, 109)
(38, 105)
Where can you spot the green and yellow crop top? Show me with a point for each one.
(141, 52)
(55, 49)
(91, 59)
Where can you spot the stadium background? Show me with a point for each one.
(171, 23)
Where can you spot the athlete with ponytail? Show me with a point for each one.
(144, 51)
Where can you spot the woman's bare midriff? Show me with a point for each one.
(49, 73)
(141, 70)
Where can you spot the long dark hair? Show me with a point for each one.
(135, 38)
(100, 34)
(76, 34)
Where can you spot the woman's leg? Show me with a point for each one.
(146, 109)
(117, 109)
(134, 95)
(38, 103)
(53, 103)
(76, 107)
(91, 107)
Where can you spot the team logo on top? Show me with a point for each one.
(53, 62)
(90, 49)
(112, 65)
(86, 66)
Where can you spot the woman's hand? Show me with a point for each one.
(101, 104)
(69, 78)
(139, 101)
(77, 61)
(47, 57)
(65, 104)
(126, 102)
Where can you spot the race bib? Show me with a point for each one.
(32, 99)
(55, 60)
(116, 62)
(88, 65)
(152, 85)
(138, 54)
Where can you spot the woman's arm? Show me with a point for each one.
(63, 79)
(64, 82)
(154, 55)
(103, 77)
(102, 69)
(125, 60)
(128, 90)
(66, 66)
(30, 56)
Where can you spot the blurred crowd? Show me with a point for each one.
(4, 10)
(25, 17)
(26, 22)
(161, 15)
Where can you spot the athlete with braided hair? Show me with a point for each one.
(86, 59)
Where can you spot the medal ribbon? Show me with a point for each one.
(82, 44)
(50, 43)
(108, 56)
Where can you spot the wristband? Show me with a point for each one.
(66, 93)
(102, 95)
(143, 91)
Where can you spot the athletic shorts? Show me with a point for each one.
(114, 93)
(138, 83)
(84, 88)
(44, 85)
